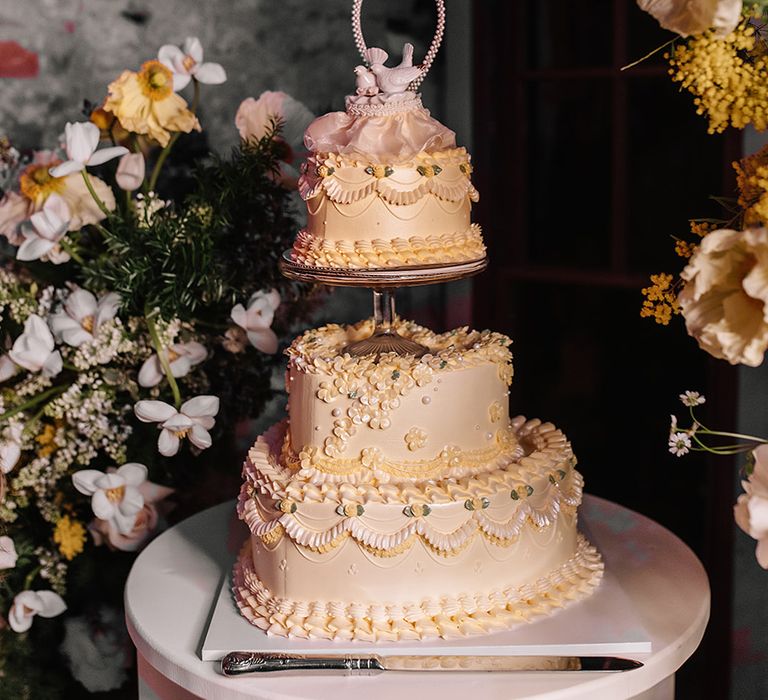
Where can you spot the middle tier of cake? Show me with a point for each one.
(398, 418)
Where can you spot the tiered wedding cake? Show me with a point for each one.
(398, 500)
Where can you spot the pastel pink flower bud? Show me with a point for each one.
(130, 171)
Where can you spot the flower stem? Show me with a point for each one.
(31, 577)
(163, 357)
(649, 54)
(53, 391)
(96, 198)
(69, 248)
(164, 153)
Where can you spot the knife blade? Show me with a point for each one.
(237, 663)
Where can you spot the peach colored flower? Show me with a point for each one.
(14, 208)
(253, 117)
(751, 509)
(725, 295)
(145, 103)
(688, 17)
(36, 182)
(145, 525)
(82, 206)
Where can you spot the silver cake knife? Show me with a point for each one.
(239, 662)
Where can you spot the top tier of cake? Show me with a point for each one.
(396, 418)
(385, 186)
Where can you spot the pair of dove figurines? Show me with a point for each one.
(378, 78)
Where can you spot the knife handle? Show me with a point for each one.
(239, 662)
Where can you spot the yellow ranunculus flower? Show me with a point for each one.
(145, 103)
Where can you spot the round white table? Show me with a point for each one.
(170, 593)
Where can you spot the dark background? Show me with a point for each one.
(585, 172)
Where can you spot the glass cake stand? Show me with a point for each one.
(383, 282)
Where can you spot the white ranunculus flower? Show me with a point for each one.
(96, 649)
(34, 348)
(8, 554)
(193, 420)
(688, 17)
(27, 604)
(187, 62)
(725, 295)
(8, 368)
(48, 227)
(82, 140)
(182, 357)
(751, 509)
(82, 315)
(115, 496)
(257, 319)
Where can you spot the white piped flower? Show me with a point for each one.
(193, 420)
(182, 357)
(692, 398)
(679, 444)
(49, 226)
(82, 315)
(82, 139)
(115, 496)
(10, 447)
(34, 348)
(187, 62)
(8, 554)
(257, 319)
(27, 604)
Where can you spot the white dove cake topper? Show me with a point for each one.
(395, 80)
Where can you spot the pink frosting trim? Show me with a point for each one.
(389, 138)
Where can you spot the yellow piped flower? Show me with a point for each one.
(69, 535)
(145, 103)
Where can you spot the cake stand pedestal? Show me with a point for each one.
(172, 588)
(383, 282)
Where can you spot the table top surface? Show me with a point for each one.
(174, 583)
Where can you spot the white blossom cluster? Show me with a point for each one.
(94, 419)
(52, 569)
(15, 298)
(109, 341)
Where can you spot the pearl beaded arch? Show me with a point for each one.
(357, 31)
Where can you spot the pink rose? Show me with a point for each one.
(146, 525)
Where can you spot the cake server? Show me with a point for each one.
(239, 662)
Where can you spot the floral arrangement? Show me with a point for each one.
(720, 56)
(140, 306)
